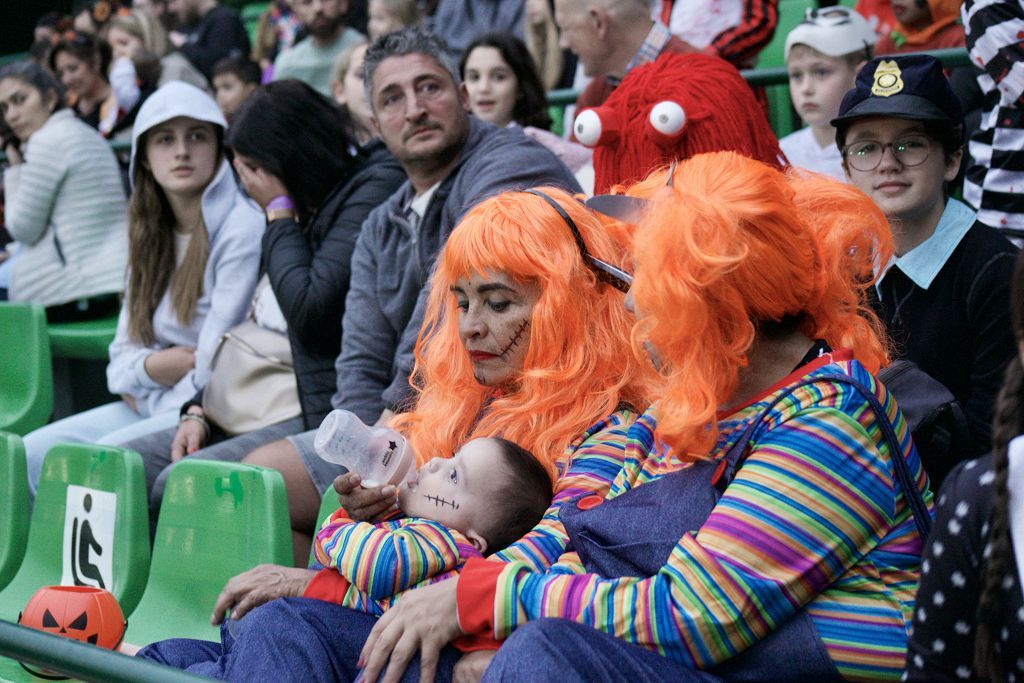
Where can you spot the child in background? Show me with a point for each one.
(923, 25)
(386, 16)
(823, 54)
(234, 79)
(482, 499)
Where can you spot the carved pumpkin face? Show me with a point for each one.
(83, 613)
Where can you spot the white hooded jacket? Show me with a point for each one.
(235, 227)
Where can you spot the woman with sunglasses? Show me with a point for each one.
(944, 297)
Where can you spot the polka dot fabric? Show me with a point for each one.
(941, 646)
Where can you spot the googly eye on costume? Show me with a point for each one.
(597, 126)
(666, 122)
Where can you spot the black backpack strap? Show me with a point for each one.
(738, 452)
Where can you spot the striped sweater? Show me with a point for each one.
(379, 561)
(813, 518)
(66, 206)
(994, 181)
(594, 459)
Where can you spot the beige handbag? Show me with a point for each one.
(252, 381)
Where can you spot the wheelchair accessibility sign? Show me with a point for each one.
(88, 538)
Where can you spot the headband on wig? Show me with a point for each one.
(673, 108)
(605, 272)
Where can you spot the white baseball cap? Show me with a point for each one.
(832, 31)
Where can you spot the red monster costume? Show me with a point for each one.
(673, 108)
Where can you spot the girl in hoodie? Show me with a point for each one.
(193, 256)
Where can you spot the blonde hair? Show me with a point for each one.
(406, 12)
(578, 367)
(146, 28)
(733, 244)
(344, 61)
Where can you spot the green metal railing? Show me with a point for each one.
(777, 75)
(82, 661)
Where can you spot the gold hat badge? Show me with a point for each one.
(888, 79)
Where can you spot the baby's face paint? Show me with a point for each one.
(456, 491)
(494, 324)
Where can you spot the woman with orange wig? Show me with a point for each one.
(525, 337)
(768, 522)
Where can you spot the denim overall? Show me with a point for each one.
(634, 534)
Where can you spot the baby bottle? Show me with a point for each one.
(379, 455)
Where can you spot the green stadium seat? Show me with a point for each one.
(25, 375)
(328, 505)
(218, 519)
(86, 339)
(103, 468)
(251, 18)
(13, 506)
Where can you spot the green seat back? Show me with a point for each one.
(217, 519)
(13, 506)
(105, 468)
(26, 398)
(780, 110)
(328, 504)
(251, 14)
(85, 339)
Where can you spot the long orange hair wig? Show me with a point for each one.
(579, 366)
(731, 244)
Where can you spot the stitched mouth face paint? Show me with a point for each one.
(457, 492)
(494, 324)
(516, 338)
(440, 502)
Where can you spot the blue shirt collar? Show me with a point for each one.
(923, 263)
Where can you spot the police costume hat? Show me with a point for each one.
(904, 87)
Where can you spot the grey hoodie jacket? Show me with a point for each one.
(392, 262)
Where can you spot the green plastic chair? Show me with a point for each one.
(89, 339)
(217, 519)
(26, 399)
(13, 506)
(328, 504)
(105, 468)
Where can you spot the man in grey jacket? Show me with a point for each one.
(453, 161)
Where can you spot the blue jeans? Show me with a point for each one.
(287, 639)
(112, 424)
(567, 652)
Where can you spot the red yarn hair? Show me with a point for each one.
(721, 114)
(733, 243)
(579, 366)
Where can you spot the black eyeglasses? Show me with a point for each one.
(606, 272)
(910, 150)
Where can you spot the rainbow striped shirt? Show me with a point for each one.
(383, 559)
(814, 517)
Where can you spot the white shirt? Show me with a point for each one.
(803, 151)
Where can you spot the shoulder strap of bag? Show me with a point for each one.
(738, 451)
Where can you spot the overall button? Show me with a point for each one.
(591, 501)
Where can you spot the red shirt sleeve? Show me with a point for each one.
(328, 585)
(475, 594)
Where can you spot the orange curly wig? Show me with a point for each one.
(731, 243)
(579, 366)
